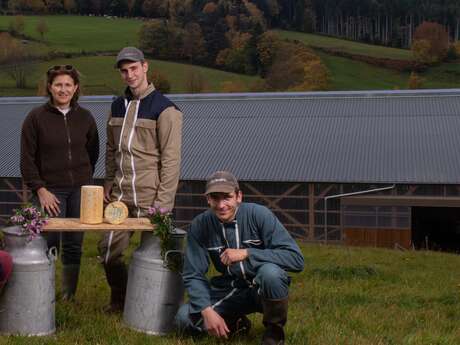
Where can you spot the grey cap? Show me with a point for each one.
(221, 182)
(129, 54)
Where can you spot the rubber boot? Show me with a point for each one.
(117, 277)
(274, 319)
(70, 275)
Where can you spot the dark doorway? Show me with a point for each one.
(436, 228)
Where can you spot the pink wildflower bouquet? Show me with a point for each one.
(30, 219)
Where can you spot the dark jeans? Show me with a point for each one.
(271, 282)
(71, 242)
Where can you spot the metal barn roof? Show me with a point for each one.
(374, 136)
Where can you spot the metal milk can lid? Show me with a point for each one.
(176, 232)
(14, 230)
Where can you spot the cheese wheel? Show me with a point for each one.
(116, 212)
(92, 204)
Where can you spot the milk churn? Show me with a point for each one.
(27, 305)
(154, 292)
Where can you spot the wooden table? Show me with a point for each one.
(73, 224)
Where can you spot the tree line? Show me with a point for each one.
(232, 35)
(386, 22)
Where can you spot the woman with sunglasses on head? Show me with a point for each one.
(59, 150)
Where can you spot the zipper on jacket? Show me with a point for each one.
(228, 246)
(69, 143)
(237, 238)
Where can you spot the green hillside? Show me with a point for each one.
(100, 78)
(350, 47)
(96, 39)
(349, 74)
(81, 33)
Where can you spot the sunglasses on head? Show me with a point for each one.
(60, 68)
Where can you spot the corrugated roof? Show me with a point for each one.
(373, 136)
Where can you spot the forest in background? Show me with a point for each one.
(386, 22)
(237, 36)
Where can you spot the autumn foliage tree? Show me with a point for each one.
(296, 68)
(415, 81)
(234, 58)
(16, 25)
(195, 82)
(161, 39)
(267, 46)
(14, 57)
(233, 86)
(160, 82)
(194, 45)
(42, 28)
(430, 43)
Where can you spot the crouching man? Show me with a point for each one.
(252, 251)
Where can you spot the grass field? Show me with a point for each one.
(345, 295)
(82, 33)
(100, 78)
(347, 46)
(347, 74)
(446, 75)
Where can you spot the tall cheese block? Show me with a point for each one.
(92, 204)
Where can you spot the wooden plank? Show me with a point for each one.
(375, 237)
(73, 224)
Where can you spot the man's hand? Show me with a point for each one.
(48, 201)
(107, 190)
(230, 256)
(214, 323)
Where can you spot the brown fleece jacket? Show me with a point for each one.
(58, 151)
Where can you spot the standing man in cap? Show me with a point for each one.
(144, 134)
(251, 250)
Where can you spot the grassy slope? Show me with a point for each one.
(346, 45)
(100, 78)
(82, 33)
(98, 34)
(347, 74)
(345, 296)
(446, 75)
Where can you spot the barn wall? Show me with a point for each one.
(300, 206)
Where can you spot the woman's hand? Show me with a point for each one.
(49, 202)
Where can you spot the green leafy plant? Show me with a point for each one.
(161, 218)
